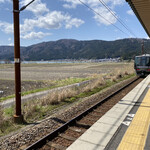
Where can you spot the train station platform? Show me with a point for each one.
(124, 127)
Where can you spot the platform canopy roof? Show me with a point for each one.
(141, 9)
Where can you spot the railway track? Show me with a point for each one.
(65, 135)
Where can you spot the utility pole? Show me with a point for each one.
(18, 117)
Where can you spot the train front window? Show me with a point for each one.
(142, 61)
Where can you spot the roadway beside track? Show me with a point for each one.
(10, 102)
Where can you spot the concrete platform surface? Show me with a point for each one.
(98, 136)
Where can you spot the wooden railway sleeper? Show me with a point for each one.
(97, 111)
(57, 146)
(91, 118)
(96, 116)
(83, 125)
(77, 130)
(70, 138)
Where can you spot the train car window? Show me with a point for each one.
(143, 61)
(137, 61)
(148, 61)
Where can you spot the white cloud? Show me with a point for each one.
(97, 6)
(37, 7)
(35, 35)
(6, 27)
(74, 22)
(46, 19)
(52, 20)
(11, 44)
(91, 3)
(9, 39)
(116, 2)
(2, 1)
(109, 19)
(43, 19)
(71, 3)
(26, 33)
(49, 21)
(130, 12)
(69, 6)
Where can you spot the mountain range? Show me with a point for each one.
(74, 49)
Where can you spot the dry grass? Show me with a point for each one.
(57, 97)
(1, 116)
(113, 73)
(99, 81)
(53, 98)
(29, 109)
(60, 71)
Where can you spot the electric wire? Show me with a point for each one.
(119, 19)
(115, 15)
(24, 7)
(102, 17)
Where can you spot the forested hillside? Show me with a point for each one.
(74, 49)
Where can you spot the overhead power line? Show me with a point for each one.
(115, 15)
(102, 17)
(24, 7)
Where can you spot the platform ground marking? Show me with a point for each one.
(136, 134)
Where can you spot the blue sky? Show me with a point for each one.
(50, 20)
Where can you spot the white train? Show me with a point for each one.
(142, 65)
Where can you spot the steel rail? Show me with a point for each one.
(61, 129)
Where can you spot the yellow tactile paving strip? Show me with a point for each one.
(136, 134)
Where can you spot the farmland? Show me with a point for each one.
(39, 77)
(35, 76)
